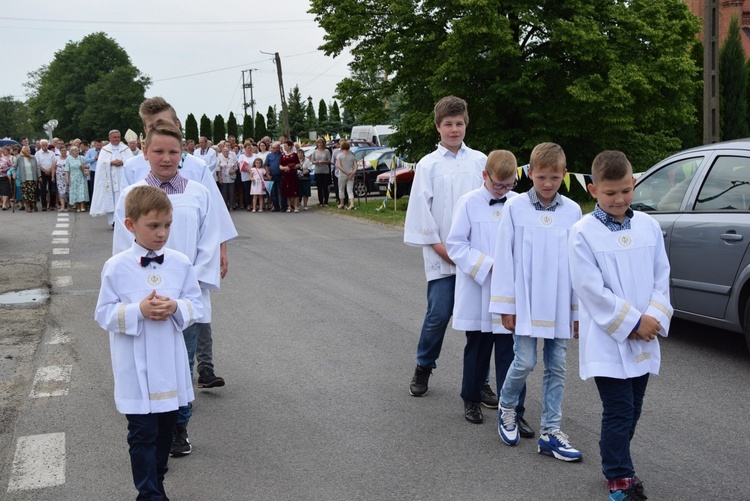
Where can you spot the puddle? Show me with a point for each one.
(30, 297)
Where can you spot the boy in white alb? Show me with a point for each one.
(620, 273)
(471, 245)
(195, 233)
(145, 302)
(439, 180)
(534, 297)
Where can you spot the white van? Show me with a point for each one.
(378, 134)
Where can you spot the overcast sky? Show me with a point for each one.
(194, 51)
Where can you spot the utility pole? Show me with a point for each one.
(251, 104)
(281, 91)
(711, 72)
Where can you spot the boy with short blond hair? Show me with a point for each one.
(534, 297)
(441, 177)
(620, 273)
(471, 245)
(145, 302)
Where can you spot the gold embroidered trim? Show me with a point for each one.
(573, 307)
(163, 395)
(478, 265)
(121, 317)
(620, 318)
(497, 320)
(661, 308)
(643, 356)
(503, 299)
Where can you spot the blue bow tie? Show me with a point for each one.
(145, 260)
(497, 201)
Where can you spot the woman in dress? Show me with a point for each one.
(289, 181)
(78, 190)
(60, 180)
(321, 159)
(30, 176)
(347, 165)
(226, 165)
(304, 178)
(5, 165)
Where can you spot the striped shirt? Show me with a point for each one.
(175, 186)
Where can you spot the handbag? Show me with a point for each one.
(268, 186)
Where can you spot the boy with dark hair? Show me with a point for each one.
(620, 273)
(440, 179)
(534, 297)
(145, 302)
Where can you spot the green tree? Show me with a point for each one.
(232, 125)
(323, 118)
(588, 74)
(191, 128)
(248, 128)
(296, 112)
(371, 87)
(89, 87)
(14, 118)
(733, 84)
(311, 121)
(220, 129)
(272, 121)
(206, 127)
(260, 126)
(334, 117)
(347, 120)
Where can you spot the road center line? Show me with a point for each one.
(39, 462)
(51, 381)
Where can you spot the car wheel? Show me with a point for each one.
(360, 190)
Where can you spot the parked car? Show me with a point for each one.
(376, 162)
(701, 199)
(404, 177)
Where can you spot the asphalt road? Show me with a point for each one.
(315, 331)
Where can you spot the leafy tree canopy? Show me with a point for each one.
(191, 128)
(89, 87)
(220, 129)
(248, 128)
(232, 125)
(733, 82)
(206, 127)
(260, 126)
(588, 74)
(14, 119)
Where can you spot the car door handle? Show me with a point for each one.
(731, 237)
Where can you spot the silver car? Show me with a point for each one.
(701, 199)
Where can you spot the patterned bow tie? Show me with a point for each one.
(158, 259)
(497, 201)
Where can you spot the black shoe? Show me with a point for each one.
(473, 412)
(523, 428)
(418, 386)
(627, 495)
(180, 443)
(207, 378)
(489, 399)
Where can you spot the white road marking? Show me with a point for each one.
(60, 232)
(58, 241)
(59, 337)
(64, 281)
(62, 225)
(39, 462)
(51, 381)
(56, 265)
(60, 250)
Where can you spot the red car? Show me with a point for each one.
(404, 177)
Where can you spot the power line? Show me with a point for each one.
(210, 71)
(109, 21)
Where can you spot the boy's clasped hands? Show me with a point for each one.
(156, 307)
(647, 330)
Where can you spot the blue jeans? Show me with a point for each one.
(204, 347)
(439, 310)
(622, 400)
(150, 439)
(191, 341)
(553, 379)
(477, 354)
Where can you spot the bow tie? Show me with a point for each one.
(497, 201)
(145, 260)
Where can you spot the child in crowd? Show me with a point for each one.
(534, 297)
(620, 273)
(471, 245)
(195, 234)
(61, 180)
(258, 187)
(145, 302)
(440, 179)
